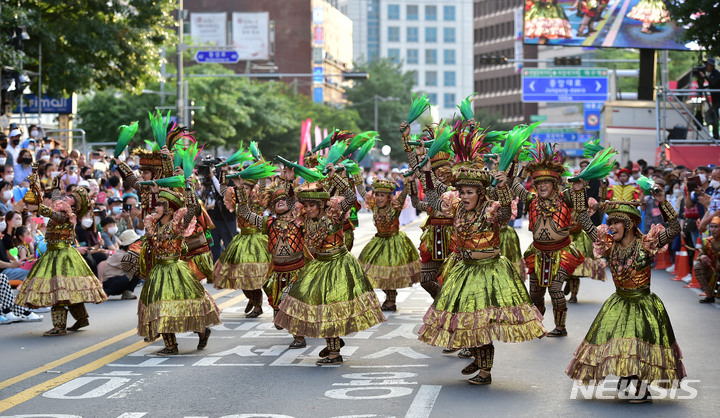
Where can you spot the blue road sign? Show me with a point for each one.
(578, 152)
(592, 116)
(564, 85)
(217, 57)
(553, 137)
(49, 104)
(318, 77)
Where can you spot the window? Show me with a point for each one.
(431, 78)
(430, 56)
(432, 99)
(412, 56)
(449, 56)
(430, 34)
(449, 100)
(449, 79)
(412, 34)
(394, 54)
(414, 75)
(393, 12)
(449, 35)
(431, 13)
(412, 13)
(449, 13)
(393, 34)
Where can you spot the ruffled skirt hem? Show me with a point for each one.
(173, 316)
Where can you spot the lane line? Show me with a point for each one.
(424, 401)
(34, 391)
(81, 353)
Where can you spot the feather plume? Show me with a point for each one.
(337, 150)
(358, 140)
(600, 166)
(591, 148)
(239, 157)
(417, 108)
(126, 135)
(466, 110)
(309, 174)
(159, 124)
(442, 139)
(255, 151)
(365, 149)
(174, 181)
(325, 142)
(256, 171)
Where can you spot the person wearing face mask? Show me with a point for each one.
(71, 174)
(23, 167)
(12, 267)
(6, 195)
(3, 157)
(109, 234)
(119, 274)
(13, 147)
(89, 239)
(7, 172)
(653, 216)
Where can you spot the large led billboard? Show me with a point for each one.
(601, 23)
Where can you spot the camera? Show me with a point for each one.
(206, 165)
(699, 71)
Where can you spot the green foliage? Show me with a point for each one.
(89, 44)
(386, 80)
(702, 17)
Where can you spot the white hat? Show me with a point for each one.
(395, 170)
(84, 183)
(128, 237)
(14, 132)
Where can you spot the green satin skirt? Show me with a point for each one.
(591, 267)
(391, 262)
(60, 277)
(510, 249)
(349, 237)
(481, 301)
(331, 297)
(630, 336)
(173, 300)
(244, 264)
(277, 283)
(201, 265)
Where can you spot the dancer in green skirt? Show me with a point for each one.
(592, 267)
(61, 278)
(332, 297)
(172, 299)
(482, 298)
(390, 259)
(246, 261)
(631, 337)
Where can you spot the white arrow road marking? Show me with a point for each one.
(405, 351)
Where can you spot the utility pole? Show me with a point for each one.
(180, 103)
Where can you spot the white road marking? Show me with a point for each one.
(424, 401)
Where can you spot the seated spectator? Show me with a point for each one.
(23, 167)
(119, 273)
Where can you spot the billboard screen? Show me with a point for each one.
(601, 23)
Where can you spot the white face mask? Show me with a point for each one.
(7, 195)
(112, 230)
(703, 177)
(48, 146)
(97, 220)
(87, 222)
(17, 223)
(3, 225)
(54, 173)
(31, 147)
(677, 192)
(56, 161)
(3, 160)
(45, 157)
(9, 178)
(34, 133)
(715, 184)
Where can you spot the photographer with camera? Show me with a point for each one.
(224, 221)
(711, 75)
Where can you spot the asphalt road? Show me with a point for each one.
(106, 370)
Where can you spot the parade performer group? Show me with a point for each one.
(469, 259)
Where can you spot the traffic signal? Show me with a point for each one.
(567, 61)
(493, 60)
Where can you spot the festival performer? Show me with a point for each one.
(623, 191)
(650, 12)
(245, 263)
(332, 297)
(706, 267)
(482, 298)
(286, 240)
(592, 267)
(510, 244)
(631, 337)
(546, 19)
(60, 278)
(390, 259)
(172, 299)
(436, 243)
(552, 257)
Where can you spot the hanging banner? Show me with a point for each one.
(251, 35)
(209, 28)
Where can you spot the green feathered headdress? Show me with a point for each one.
(418, 107)
(174, 181)
(600, 166)
(309, 174)
(159, 124)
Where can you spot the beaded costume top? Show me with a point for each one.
(325, 235)
(386, 219)
(167, 241)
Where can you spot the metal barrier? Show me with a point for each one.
(68, 134)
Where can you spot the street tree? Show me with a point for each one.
(86, 44)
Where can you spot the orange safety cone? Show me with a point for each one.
(663, 260)
(694, 283)
(682, 267)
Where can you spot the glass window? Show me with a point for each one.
(431, 78)
(414, 75)
(449, 13)
(430, 34)
(412, 34)
(430, 56)
(393, 12)
(449, 79)
(449, 56)
(412, 56)
(430, 12)
(449, 35)
(412, 12)
(393, 34)
(394, 54)
(449, 100)
(432, 99)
